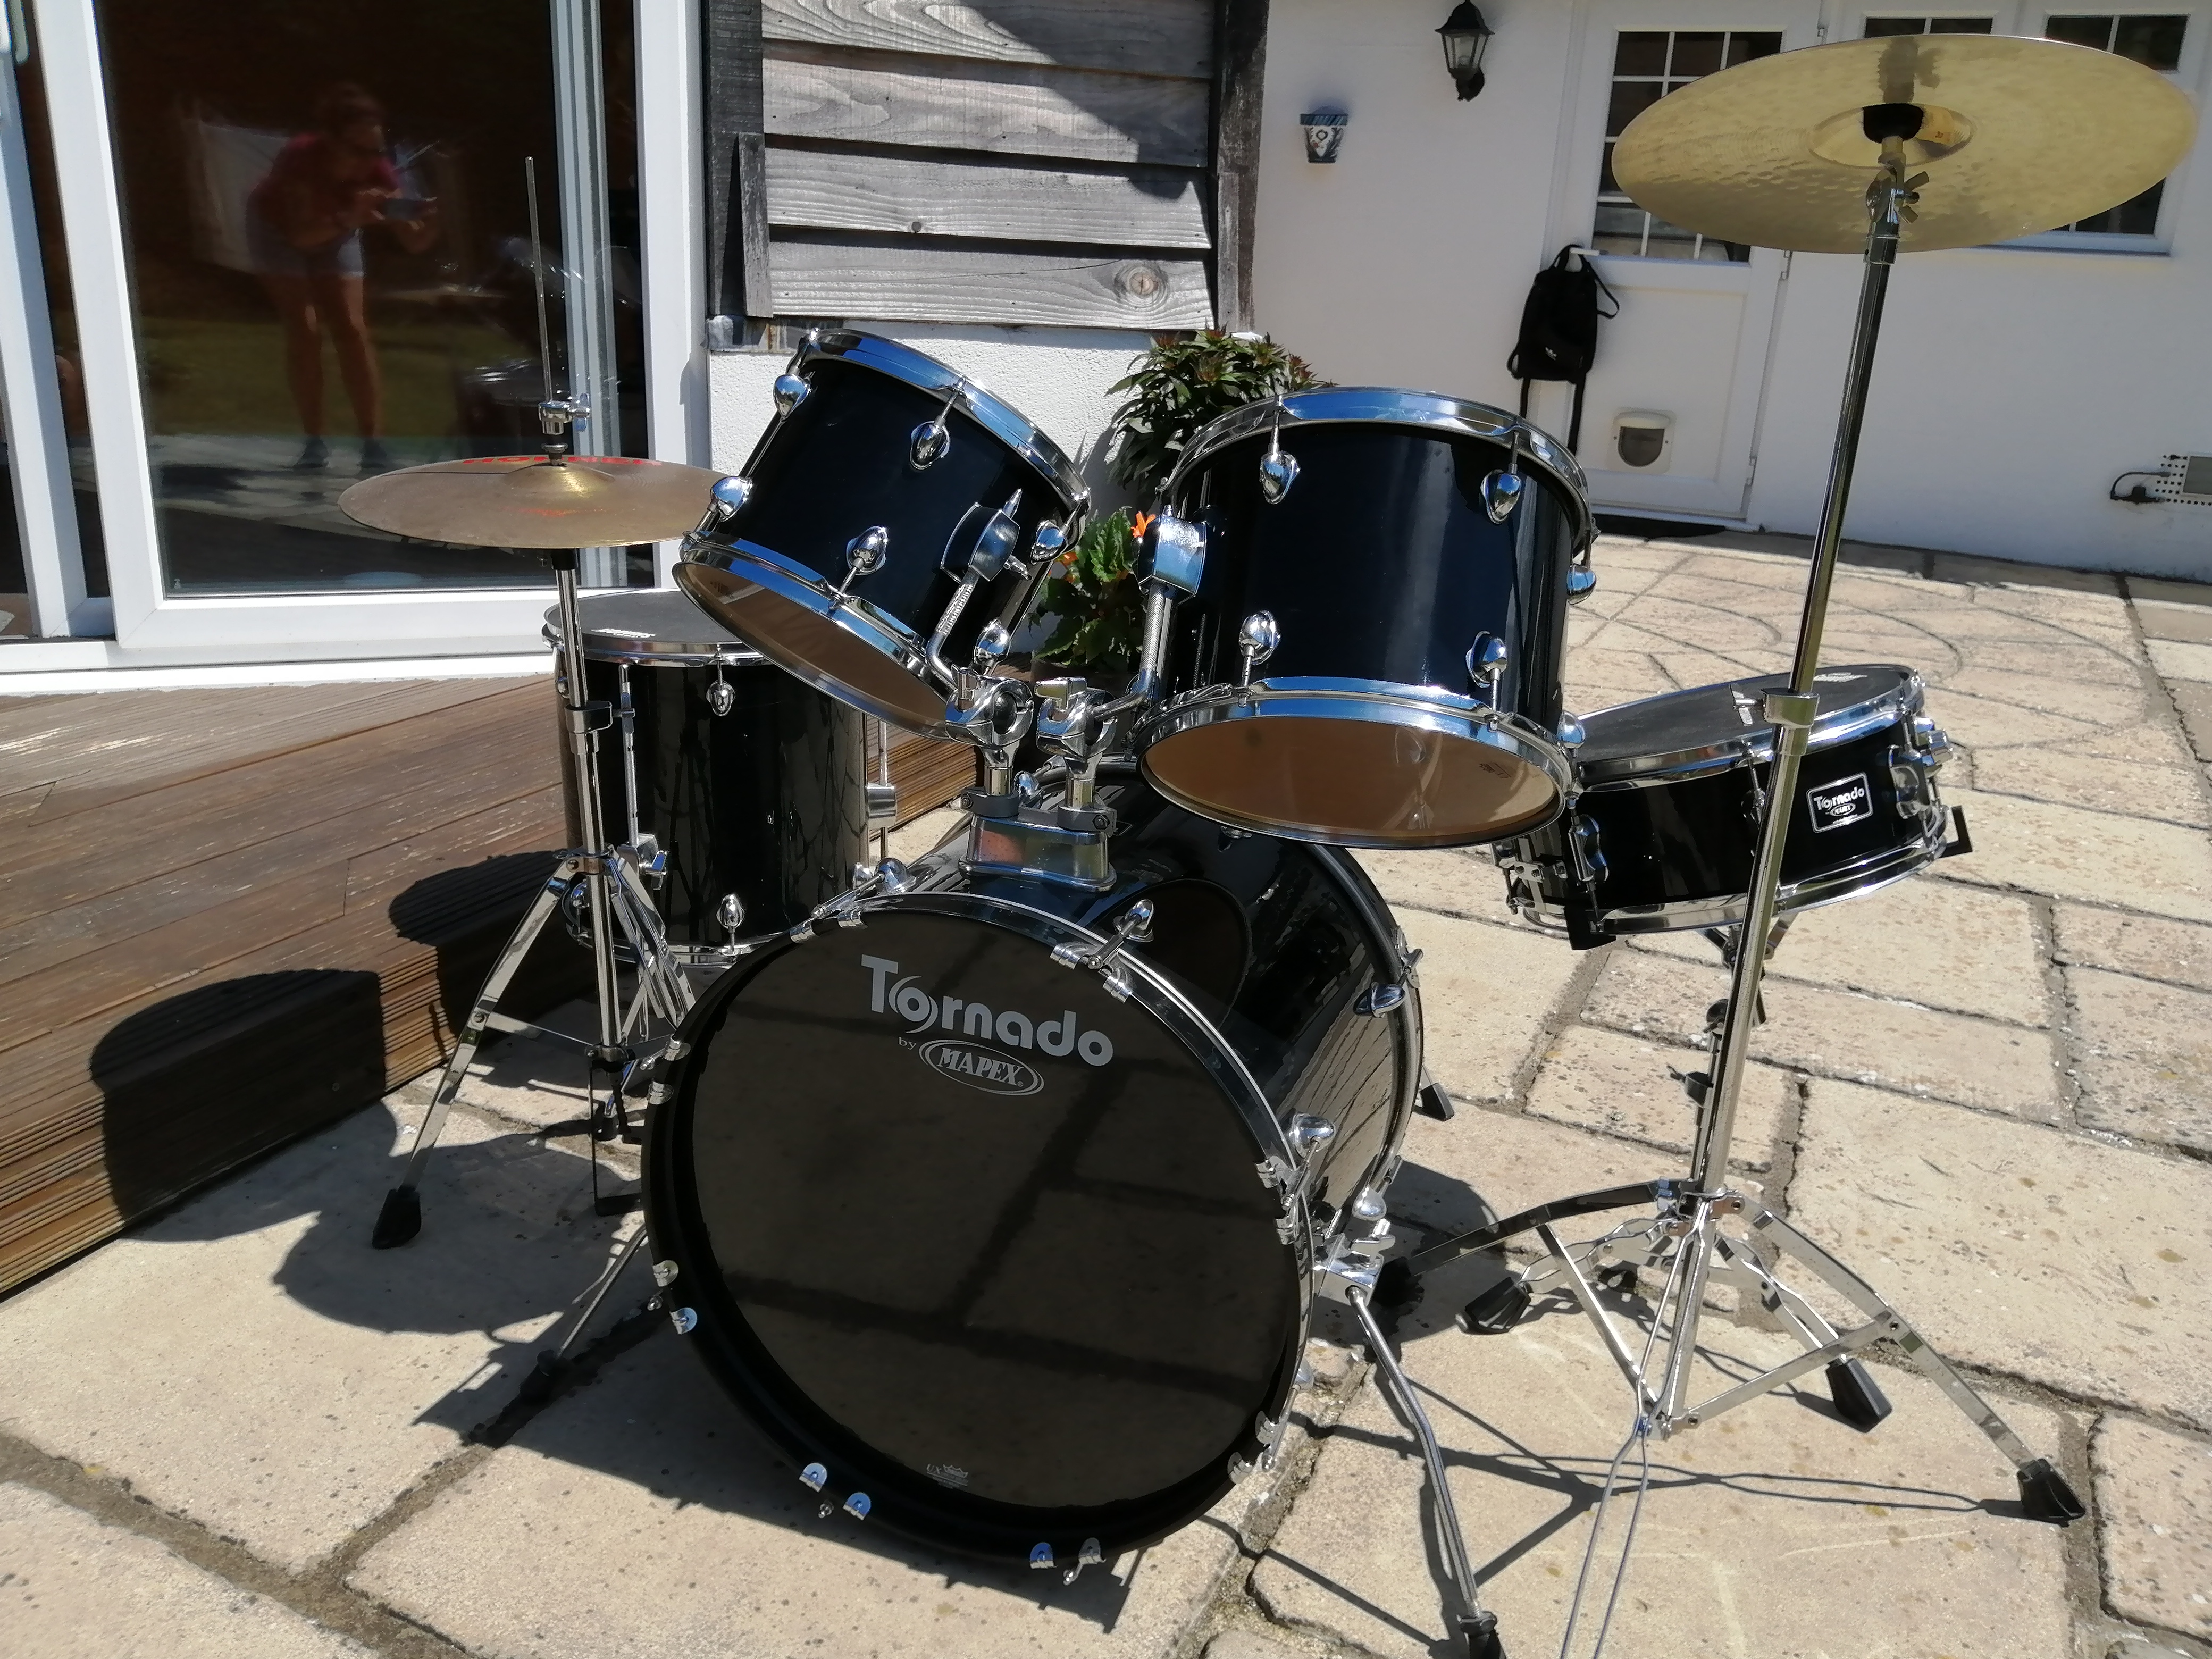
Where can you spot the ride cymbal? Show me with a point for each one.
(527, 501)
(2016, 136)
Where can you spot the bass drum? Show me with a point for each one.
(1016, 1257)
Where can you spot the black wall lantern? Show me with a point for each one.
(1466, 37)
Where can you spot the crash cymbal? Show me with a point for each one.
(527, 501)
(2015, 136)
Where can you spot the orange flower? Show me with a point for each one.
(1137, 528)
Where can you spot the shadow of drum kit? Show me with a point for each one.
(999, 1189)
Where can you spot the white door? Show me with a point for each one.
(1670, 416)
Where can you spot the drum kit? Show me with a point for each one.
(997, 1189)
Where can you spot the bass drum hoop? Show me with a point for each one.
(908, 1501)
(1370, 701)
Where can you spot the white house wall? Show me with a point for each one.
(2012, 386)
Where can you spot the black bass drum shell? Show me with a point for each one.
(1383, 570)
(766, 801)
(1672, 805)
(990, 1245)
(838, 465)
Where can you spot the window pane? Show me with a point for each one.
(327, 231)
(1630, 100)
(1695, 55)
(1959, 25)
(1877, 28)
(1641, 54)
(2095, 32)
(1743, 48)
(2137, 217)
(2153, 41)
(1606, 184)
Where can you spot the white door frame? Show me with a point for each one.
(154, 628)
(1757, 282)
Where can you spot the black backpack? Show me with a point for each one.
(1558, 330)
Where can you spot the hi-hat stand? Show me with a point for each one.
(617, 902)
(1684, 1243)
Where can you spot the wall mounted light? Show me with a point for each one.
(1324, 130)
(1466, 38)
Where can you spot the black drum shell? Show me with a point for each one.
(766, 802)
(1380, 564)
(839, 464)
(1274, 942)
(1690, 840)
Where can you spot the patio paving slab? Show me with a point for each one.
(1775, 1531)
(2192, 700)
(1942, 944)
(2147, 1058)
(1839, 1033)
(2046, 1254)
(1459, 882)
(2175, 622)
(641, 1516)
(1485, 1165)
(2182, 659)
(2154, 1500)
(249, 1362)
(1486, 992)
(2170, 795)
(2072, 852)
(72, 1587)
(1618, 1086)
(2149, 947)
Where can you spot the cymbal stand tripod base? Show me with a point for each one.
(1684, 1240)
(613, 878)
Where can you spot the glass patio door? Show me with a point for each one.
(302, 234)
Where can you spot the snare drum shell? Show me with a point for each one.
(766, 801)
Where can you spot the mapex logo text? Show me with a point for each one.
(1009, 1027)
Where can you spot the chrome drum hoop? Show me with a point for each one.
(790, 581)
(1371, 702)
(1392, 406)
(1001, 420)
(1841, 725)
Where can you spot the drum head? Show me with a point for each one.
(1352, 782)
(985, 1242)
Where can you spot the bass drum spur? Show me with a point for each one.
(749, 782)
(1665, 831)
(893, 511)
(1005, 1235)
(1372, 656)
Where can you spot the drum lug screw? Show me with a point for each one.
(730, 494)
(927, 442)
(1501, 494)
(1378, 999)
(1485, 664)
(1570, 732)
(791, 391)
(721, 696)
(1308, 1132)
(1278, 471)
(1257, 637)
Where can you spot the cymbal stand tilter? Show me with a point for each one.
(614, 883)
(1684, 1240)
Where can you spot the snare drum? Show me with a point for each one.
(749, 782)
(894, 511)
(1665, 831)
(1372, 656)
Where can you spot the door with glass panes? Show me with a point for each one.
(1670, 413)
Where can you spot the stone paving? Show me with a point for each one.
(237, 1430)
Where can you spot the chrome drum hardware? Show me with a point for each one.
(892, 513)
(1374, 660)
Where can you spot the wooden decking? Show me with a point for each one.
(228, 916)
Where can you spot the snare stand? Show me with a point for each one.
(1683, 1241)
(614, 883)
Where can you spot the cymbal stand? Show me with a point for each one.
(1684, 1240)
(614, 884)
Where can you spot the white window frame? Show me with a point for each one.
(2029, 18)
(154, 627)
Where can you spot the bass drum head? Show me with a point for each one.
(987, 1244)
(1350, 782)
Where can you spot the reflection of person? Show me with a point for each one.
(304, 223)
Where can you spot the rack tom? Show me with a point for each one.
(893, 511)
(1371, 655)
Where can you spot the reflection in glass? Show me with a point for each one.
(1647, 65)
(328, 237)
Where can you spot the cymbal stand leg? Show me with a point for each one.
(1475, 1627)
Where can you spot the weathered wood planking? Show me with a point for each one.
(1009, 109)
(1145, 37)
(1238, 106)
(926, 284)
(830, 190)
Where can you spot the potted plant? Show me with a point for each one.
(1176, 388)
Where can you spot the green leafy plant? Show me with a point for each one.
(1094, 594)
(1181, 384)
